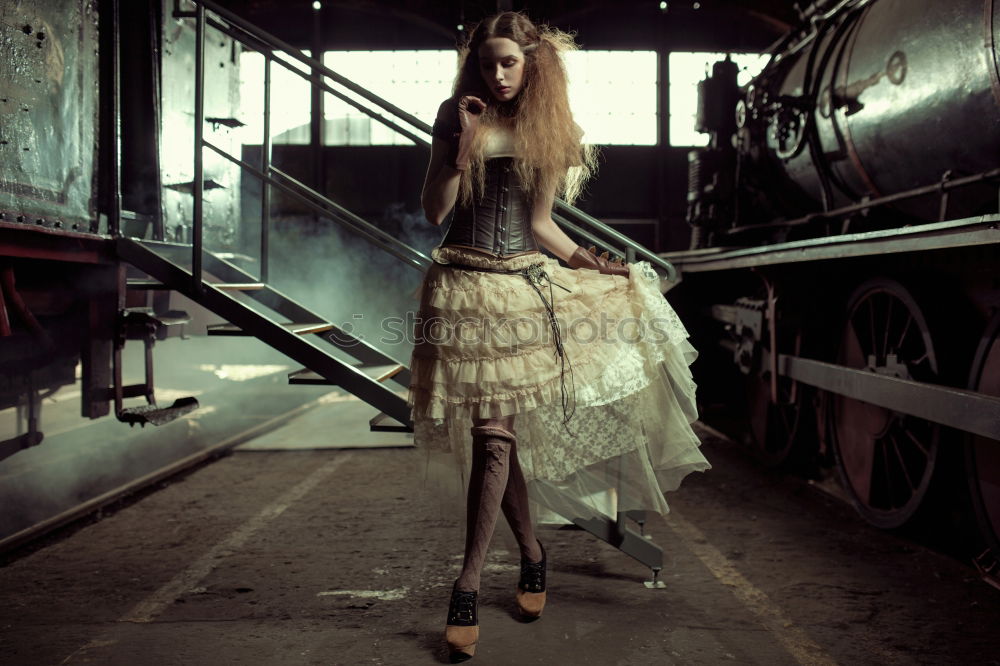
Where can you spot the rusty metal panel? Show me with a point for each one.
(222, 90)
(48, 109)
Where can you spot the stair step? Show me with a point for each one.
(145, 284)
(241, 286)
(300, 328)
(379, 373)
(378, 424)
(156, 284)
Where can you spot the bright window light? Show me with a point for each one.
(612, 93)
(415, 81)
(686, 70)
(289, 101)
(613, 96)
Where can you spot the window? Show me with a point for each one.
(613, 94)
(289, 101)
(415, 81)
(686, 71)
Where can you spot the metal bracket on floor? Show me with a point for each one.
(614, 531)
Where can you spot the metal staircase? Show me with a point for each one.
(293, 329)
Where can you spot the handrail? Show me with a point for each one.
(321, 84)
(415, 256)
(631, 247)
(319, 72)
(275, 43)
(331, 209)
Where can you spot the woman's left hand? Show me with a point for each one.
(590, 259)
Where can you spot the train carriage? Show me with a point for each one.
(844, 253)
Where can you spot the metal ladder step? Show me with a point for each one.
(300, 328)
(174, 318)
(158, 415)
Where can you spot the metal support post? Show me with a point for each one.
(199, 141)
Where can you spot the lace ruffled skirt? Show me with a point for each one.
(594, 367)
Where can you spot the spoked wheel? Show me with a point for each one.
(982, 454)
(886, 459)
(773, 427)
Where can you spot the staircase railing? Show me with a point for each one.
(252, 37)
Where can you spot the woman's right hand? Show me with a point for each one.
(470, 110)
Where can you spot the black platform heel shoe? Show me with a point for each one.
(531, 588)
(462, 630)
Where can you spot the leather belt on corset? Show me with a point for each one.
(534, 274)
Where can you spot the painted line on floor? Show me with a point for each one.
(394, 594)
(798, 644)
(149, 608)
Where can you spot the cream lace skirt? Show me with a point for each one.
(485, 346)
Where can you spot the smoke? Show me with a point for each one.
(80, 459)
(240, 382)
(345, 278)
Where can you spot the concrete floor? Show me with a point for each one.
(285, 555)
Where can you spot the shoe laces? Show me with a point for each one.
(463, 605)
(533, 576)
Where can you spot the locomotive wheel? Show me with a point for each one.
(886, 459)
(983, 455)
(773, 427)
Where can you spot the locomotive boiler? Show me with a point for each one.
(844, 249)
(875, 100)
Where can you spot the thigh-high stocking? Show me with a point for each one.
(516, 511)
(496, 483)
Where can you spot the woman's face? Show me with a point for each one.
(501, 64)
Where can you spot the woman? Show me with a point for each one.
(588, 361)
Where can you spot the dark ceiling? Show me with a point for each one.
(376, 24)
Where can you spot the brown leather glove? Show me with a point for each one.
(590, 259)
(470, 109)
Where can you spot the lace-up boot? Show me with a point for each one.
(462, 630)
(531, 588)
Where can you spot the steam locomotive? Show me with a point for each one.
(844, 250)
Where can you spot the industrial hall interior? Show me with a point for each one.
(342, 332)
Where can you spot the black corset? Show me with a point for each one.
(499, 222)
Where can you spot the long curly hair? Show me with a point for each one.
(546, 139)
